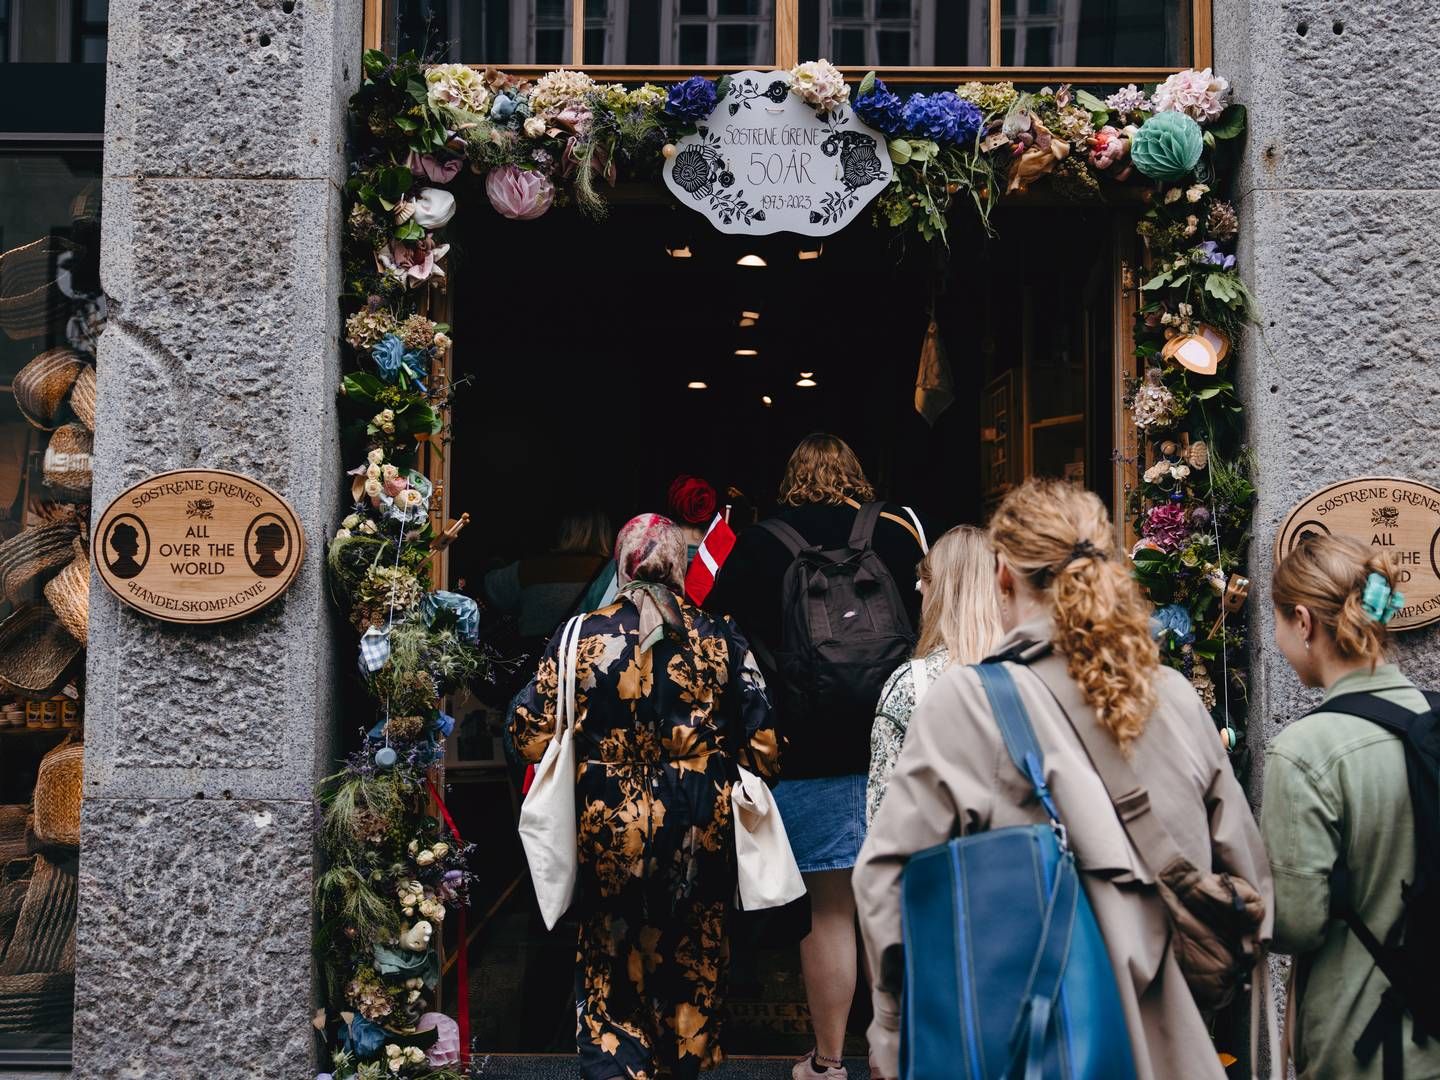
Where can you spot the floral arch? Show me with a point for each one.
(427, 133)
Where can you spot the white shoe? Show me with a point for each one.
(804, 1071)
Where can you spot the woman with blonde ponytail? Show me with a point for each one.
(1337, 814)
(1062, 580)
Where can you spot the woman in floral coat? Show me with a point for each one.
(665, 696)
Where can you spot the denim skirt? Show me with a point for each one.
(824, 819)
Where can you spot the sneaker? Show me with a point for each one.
(804, 1070)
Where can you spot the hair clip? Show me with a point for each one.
(1379, 600)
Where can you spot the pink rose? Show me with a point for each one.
(1108, 148)
(412, 264)
(396, 485)
(519, 194)
(434, 169)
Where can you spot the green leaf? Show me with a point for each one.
(362, 387)
(374, 62)
(1090, 103)
(867, 84)
(407, 124)
(392, 183)
(722, 87)
(1231, 122)
(1208, 139)
(418, 91)
(1159, 281)
(409, 231)
(1224, 287)
(899, 151)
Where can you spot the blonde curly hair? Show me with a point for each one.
(1059, 539)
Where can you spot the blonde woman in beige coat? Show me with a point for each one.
(1062, 579)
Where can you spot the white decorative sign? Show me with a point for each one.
(767, 162)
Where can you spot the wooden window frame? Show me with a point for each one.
(787, 48)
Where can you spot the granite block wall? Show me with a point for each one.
(224, 158)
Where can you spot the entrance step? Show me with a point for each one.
(562, 1067)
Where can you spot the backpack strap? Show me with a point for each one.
(863, 533)
(1392, 717)
(786, 534)
(919, 530)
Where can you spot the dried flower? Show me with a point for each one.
(1173, 195)
(534, 127)
(365, 328)
(992, 98)
(1196, 192)
(457, 86)
(1153, 405)
(1222, 221)
(443, 342)
(1198, 455)
(417, 332)
(557, 89)
(1165, 524)
(1128, 101)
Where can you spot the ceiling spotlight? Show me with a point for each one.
(747, 352)
(750, 260)
(680, 252)
(697, 384)
(806, 380)
(766, 400)
(749, 318)
(807, 255)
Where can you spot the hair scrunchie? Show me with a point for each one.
(1380, 600)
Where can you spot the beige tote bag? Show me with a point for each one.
(547, 817)
(766, 872)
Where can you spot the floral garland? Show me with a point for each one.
(554, 141)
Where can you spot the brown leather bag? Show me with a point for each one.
(1215, 918)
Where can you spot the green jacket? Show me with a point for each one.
(1335, 786)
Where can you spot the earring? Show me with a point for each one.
(1307, 644)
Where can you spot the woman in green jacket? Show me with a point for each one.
(1336, 794)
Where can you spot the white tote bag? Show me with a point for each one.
(767, 874)
(547, 817)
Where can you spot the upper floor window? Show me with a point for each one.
(53, 31)
(732, 34)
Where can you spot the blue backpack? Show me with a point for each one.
(1006, 974)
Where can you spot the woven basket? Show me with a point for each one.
(69, 594)
(35, 553)
(42, 385)
(58, 789)
(29, 266)
(82, 396)
(67, 462)
(37, 653)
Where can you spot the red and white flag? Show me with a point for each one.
(714, 550)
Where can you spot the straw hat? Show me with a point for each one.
(31, 266)
(42, 385)
(31, 302)
(34, 553)
(69, 594)
(57, 795)
(67, 462)
(82, 396)
(37, 653)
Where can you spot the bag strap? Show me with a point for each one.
(1052, 956)
(920, 678)
(1019, 736)
(1128, 795)
(566, 655)
(786, 534)
(863, 533)
(919, 530)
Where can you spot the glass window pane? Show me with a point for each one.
(94, 10)
(737, 7)
(694, 43)
(735, 44)
(1097, 33)
(905, 32)
(595, 46)
(694, 7)
(92, 49)
(489, 31)
(596, 9)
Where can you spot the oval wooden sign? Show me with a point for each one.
(198, 546)
(1400, 516)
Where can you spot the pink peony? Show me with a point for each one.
(519, 194)
(1200, 95)
(1108, 148)
(1166, 525)
(412, 264)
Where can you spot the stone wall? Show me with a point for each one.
(224, 156)
(1339, 198)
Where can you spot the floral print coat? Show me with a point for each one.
(656, 735)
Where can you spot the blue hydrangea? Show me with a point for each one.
(691, 100)
(944, 118)
(1172, 622)
(881, 109)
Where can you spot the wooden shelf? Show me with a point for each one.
(13, 729)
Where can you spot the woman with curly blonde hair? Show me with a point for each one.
(1063, 581)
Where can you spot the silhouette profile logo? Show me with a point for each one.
(268, 546)
(127, 546)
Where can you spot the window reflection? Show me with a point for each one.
(689, 33)
(488, 31)
(1094, 33)
(54, 31)
(897, 33)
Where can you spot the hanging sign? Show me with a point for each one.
(1399, 516)
(766, 162)
(198, 546)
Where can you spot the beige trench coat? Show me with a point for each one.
(955, 777)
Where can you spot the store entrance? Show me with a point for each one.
(607, 358)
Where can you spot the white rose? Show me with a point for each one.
(413, 846)
(392, 1050)
(373, 488)
(414, 1054)
(425, 858)
(376, 456)
(535, 127)
(1173, 195)
(1196, 193)
(369, 528)
(442, 342)
(396, 1064)
(388, 428)
(342, 534)
(387, 415)
(434, 207)
(350, 522)
(441, 849)
(373, 473)
(1180, 472)
(388, 472)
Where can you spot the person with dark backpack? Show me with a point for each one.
(826, 593)
(1351, 817)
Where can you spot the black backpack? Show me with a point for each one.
(1409, 955)
(843, 632)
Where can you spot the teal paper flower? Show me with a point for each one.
(1167, 146)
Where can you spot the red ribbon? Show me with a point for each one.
(462, 963)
